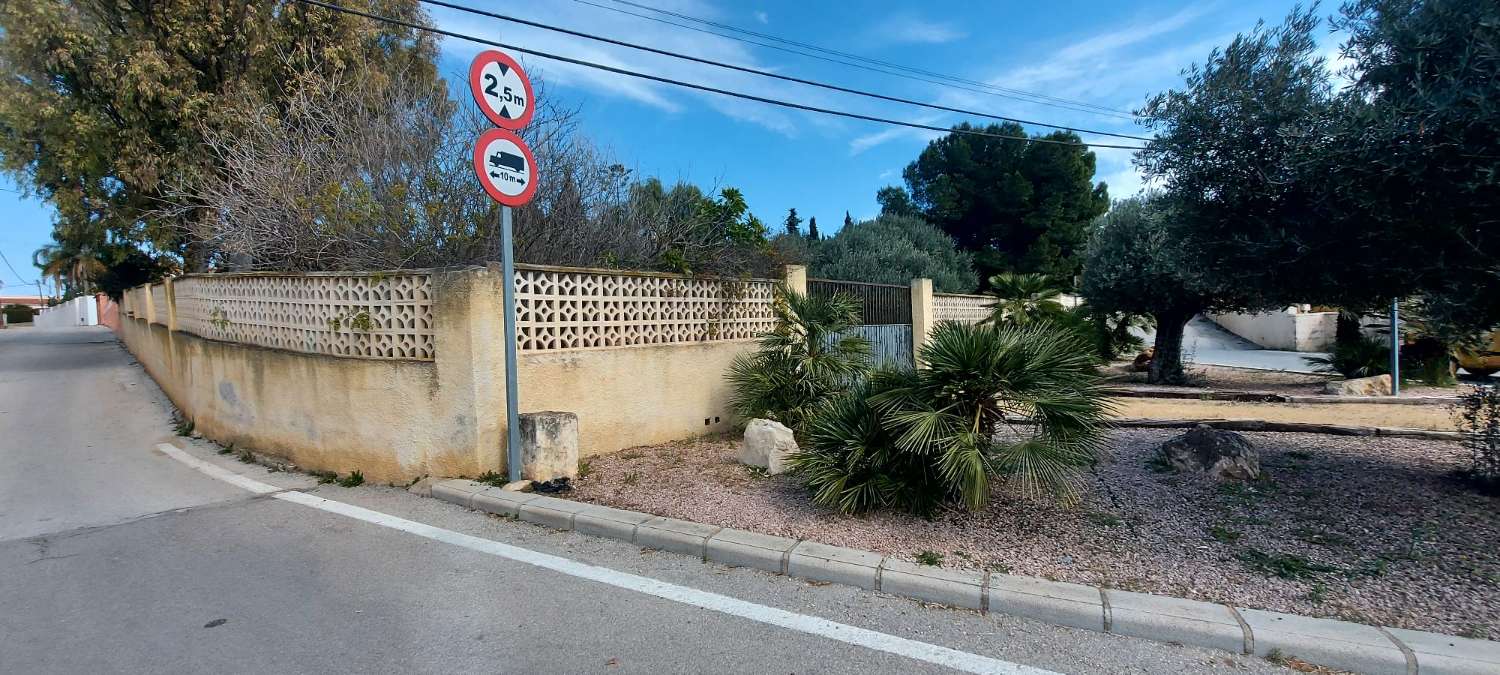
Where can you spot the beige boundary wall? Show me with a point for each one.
(401, 374)
(1292, 329)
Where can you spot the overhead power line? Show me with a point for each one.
(863, 62)
(699, 87)
(764, 73)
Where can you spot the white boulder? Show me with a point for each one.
(767, 443)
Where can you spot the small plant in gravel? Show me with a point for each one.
(1103, 519)
(494, 479)
(756, 471)
(247, 457)
(1278, 657)
(631, 478)
(585, 468)
(226, 449)
(183, 427)
(1224, 534)
(1475, 631)
(324, 477)
(1318, 593)
(1477, 416)
(354, 479)
(930, 558)
(1283, 565)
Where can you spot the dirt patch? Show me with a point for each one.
(1373, 530)
(1433, 417)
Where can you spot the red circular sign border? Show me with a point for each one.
(477, 68)
(479, 169)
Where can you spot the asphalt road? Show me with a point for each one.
(115, 557)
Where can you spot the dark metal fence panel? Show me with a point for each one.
(883, 304)
(890, 344)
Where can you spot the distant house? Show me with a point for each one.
(32, 301)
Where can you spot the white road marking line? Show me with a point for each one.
(811, 625)
(216, 471)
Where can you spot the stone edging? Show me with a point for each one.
(1299, 427)
(1326, 642)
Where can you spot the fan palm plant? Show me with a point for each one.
(1023, 299)
(805, 361)
(1023, 404)
(74, 267)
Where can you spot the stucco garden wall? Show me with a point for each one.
(1291, 329)
(416, 386)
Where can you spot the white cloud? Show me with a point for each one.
(763, 17)
(658, 95)
(894, 133)
(905, 28)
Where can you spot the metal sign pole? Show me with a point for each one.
(512, 403)
(1395, 348)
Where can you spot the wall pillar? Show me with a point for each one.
(921, 315)
(796, 278)
(150, 305)
(171, 309)
(468, 341)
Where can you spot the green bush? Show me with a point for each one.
(15, 314)
(913, 439)
(1477, 415)
(1021, 299)
(1365, 357)
(800, 364)
(894, 250)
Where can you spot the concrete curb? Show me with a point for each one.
(1326, 642)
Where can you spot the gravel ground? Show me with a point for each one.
(1391, 536)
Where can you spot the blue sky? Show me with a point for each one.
(1106, 53)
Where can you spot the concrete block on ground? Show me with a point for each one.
(1326, 642)
(1445, 654)
(677, 536)
(500, 501)
(1188, 622)
(603, 521)
(1056, 602)
(933, 584)
(835, 564)
(750, 549)
(549, 445)
(456, 491)
(550, 511)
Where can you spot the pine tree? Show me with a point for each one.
(847, 219)
(793, 223)
(812, 229)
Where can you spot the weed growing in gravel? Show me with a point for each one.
(1317, 594)
(585, 468)
(1321, 538)
(1103, 519)
(492, 478)
(630, 455)
(183, 427)
(354, 479)
(1284, 565)
(631, 478)
(226, 449)
(756, 471)
(930, 558)
(247, 457)
(1475, 632)
(1277, 657)
(1000, 568)
(1224, 534)
(324, 477)
(1158, 463)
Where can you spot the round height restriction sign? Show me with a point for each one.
(506, 168)
(501, 89)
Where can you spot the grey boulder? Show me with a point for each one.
(1223, 455)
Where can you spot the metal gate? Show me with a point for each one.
(885, 317)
